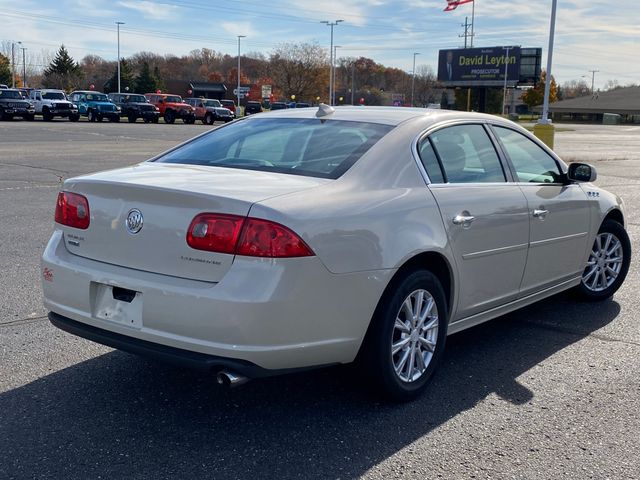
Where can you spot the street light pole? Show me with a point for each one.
(24, 67)
(413, 76)
(506, 74)
(333, 78)
(593, 80)
(331, 24)
(238, 90)
(13, 63)
(118, 27)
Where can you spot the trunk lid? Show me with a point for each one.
(168, 196)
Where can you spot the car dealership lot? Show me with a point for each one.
(546, 392)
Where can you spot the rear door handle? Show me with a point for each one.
(540, 213)
(463, 219)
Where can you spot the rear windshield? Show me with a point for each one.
(310, 147)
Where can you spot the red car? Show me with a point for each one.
(172, 107)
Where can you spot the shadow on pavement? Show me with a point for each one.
(119, 416)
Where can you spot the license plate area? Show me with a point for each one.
(116, 304)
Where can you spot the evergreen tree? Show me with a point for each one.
(126, 79)
(5, 70)
(146, 81)
(160, 84)
(63, 72)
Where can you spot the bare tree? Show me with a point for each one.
(300, 69)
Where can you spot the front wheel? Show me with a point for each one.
(208, 119)
(608, 263)
(169, 116)
(407, 335)
(132, 118)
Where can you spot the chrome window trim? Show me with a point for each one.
(506, 167)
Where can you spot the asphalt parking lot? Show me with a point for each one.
(548, 392)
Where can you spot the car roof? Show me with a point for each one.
(384, 115)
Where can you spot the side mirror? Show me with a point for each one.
(582, 172)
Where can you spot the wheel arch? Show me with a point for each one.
(434, 262)
(616, 215)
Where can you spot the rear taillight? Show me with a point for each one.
(261, 238)
(215, 232)
(72, 210)
(238, 235)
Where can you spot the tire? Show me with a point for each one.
(91, 116)
(114, 118)
(46, 116)
(190, 120)
(99, 117)
(169, 116)
(30, 118)
(208, 119)
(74, 118)
(608, 263)
(146, 120)
(131, 118)
(392, 326)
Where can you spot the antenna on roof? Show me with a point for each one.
(324, 110)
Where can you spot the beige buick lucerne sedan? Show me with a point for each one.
(303, 238)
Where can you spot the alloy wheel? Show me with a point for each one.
(604, 264)
(414, 336)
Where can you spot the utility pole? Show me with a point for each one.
(331, 24)
(118, 27)
(413, 76)
(593, 80)
(466, 33)
(506, 74)
(24, 67)
(238, 90)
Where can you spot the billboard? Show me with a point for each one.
(479, 67)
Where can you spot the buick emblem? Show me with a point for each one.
(134, 221)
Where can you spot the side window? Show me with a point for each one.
(467, 155)
(430, 162)
(531, 162)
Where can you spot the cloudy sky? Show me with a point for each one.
(591, 34)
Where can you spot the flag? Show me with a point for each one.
(453, 4)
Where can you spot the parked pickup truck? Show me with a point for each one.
(172, 107)
(53, 103)
(13, 104)
(95, 106)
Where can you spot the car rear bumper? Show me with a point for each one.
(274, 314)
(163, 353)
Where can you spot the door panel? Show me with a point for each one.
(491, 250)
(559, 238)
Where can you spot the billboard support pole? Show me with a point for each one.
(473, 23)
(506, 73)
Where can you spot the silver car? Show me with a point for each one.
(306, 237)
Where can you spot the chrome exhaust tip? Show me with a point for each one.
(230, 379)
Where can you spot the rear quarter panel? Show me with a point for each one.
(376, 216)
